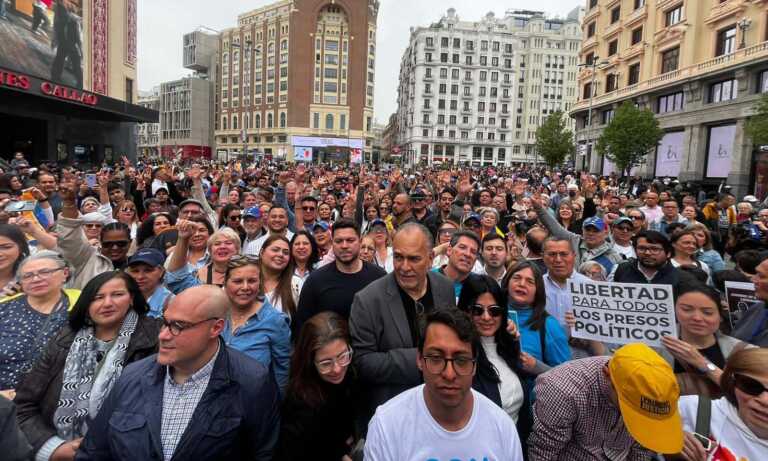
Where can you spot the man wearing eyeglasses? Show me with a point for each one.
(444, 418)
(651, 265)
(149, 414)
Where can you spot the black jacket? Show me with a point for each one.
(321, 433)
(628, 272)
(38, 393)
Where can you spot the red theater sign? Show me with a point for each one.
(24, 82)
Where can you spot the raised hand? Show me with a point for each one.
(185, 228)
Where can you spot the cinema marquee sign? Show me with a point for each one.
(18, 81)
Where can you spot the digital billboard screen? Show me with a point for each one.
(43, 38)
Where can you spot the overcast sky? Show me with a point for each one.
(163, 22)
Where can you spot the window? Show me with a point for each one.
(457, 43)
(634, 74)
(426, 103)
(430, 41)
(723, 91)
(611, 83)
(669, 60)
(587, 91)
(444, 42)
(282, 120)
(670, 103)
(762, 85)
(591, 30)
(637, 35)
(329, 122)
(726, 41)
(606, 116)
(613, 47)
(592, 4)
(343, 121)
(639, 4)
(129, 91)
(673, 16)
(615, 14)
(270, 121)
(589, 58)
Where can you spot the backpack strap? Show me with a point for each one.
(703, 415)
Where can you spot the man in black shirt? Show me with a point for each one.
(333, 286)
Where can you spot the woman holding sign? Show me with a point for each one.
(699, 353)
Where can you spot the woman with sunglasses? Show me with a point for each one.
(317, 418)
(737, 427)
(30, 319)
(499, 369)
(127, 214)
(383, 248)
(88, 262)
(254, 326)
(107, 329)
(700, 351)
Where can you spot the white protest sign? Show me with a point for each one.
(623, 313)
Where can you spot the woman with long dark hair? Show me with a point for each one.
(13, 250)
(318, 412)
(276, 275)
(107, 329)
(541, 336)
(154, 225)
(498, 359)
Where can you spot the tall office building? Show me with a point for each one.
(700, 65)
(476, 91)
(148, 134)
(298, 76)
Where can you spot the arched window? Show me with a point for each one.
(269, 121)
(284, 44)
(224, 123)
(247, 123)
(271, 48)
(282, 120)
(258, 120)
(234, 122)
(329, 122)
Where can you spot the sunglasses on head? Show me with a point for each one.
(748, 385)
(493, 310)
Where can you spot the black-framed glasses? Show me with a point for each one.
(235, 217)
(92, 226)
(176, 327)
(748, 385)
(44, 274)
(494, 310)
(308, 208)
(326, 366)
(436, 364)
(651, 250)
(116, 243)
(128, 210)
(637, 218)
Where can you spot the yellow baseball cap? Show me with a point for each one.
(648, 391)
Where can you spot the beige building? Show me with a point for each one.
(700, 65)
(298, 76)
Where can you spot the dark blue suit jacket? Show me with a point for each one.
(237, 417)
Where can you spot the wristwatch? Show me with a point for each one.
(709, 367)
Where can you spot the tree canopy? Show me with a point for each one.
(629, 137)
(554, 142)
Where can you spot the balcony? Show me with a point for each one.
(745, 55)
(724, 10)
(636, 16)
(466, 96)
(589, 43)
(506, 83)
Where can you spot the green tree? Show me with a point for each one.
(757, 126)
(629, 136)
(554, 142)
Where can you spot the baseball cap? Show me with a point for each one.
(321, 224)
(191, 200)
(647, 391)
(150, 256)
(94, 218)
(252, 212)
(751, 199)
(621, 220)
(378, 222)
(594, 221)
(474, 216)
(418, 194)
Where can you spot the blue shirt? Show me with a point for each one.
(559, 298)
(159, 299)
(555, 340)
(266, 337)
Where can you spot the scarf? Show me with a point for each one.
(86, 381)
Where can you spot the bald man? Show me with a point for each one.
(196, 399)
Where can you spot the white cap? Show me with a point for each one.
(751, 198)
(573, 186)
(94, 218)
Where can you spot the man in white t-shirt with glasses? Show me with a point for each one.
(443, 418)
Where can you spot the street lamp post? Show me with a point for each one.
(593, 65)
(744, 24)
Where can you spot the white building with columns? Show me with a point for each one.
(476, 91)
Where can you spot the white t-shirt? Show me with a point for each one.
(404, 430)
(726, 428)
(628, 251)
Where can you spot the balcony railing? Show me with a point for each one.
(754, 52)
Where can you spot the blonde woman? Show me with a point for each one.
(222, 245)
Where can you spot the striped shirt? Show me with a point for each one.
(179, 403)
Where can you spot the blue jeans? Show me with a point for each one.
(2, 8)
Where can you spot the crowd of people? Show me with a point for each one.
(273, 311)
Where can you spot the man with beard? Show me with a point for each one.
(462, 255)
(421, 213)
(47, 183)
(494, 252)
(652, 265)
(402, 210)
(253, 229)
(277, 223)
(333, 286)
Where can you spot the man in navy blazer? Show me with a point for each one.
(196, 399)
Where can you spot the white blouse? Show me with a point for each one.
(510, 387)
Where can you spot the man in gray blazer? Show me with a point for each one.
(386, 315)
